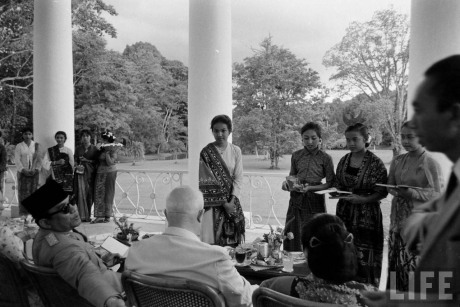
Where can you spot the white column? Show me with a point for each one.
(435, 34)
(210, 74)
(53, 100)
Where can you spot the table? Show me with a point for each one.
(256, 277)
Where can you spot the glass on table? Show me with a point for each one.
(240, 255)
(288, 262)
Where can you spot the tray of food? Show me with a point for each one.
(267, 262)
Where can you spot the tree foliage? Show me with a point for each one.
(373, 59)
(277, 84)
(139, 94)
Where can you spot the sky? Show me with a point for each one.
(308, 28)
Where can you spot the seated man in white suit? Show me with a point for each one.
(434, 227)
(178, 252)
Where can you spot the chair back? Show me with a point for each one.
(146, 290)
(12, 288)
(52, 289)
(265, 297)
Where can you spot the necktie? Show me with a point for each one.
(451, 185)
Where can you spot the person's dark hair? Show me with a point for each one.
(222, 119)
(27, 129)
(107, 135)
(87, 132)
(362, 129)
(61, 133)
(445, 75)
(407, 124)
(330, 249)
(311, 126)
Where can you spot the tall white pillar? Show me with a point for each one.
(53, 100)
(435, 34)
(210, 74)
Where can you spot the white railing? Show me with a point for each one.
(141, 194)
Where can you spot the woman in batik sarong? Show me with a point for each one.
(416, 168)
(358, 172)
(86, 156)
(105, 178)
(309, 166)
(28, 164)
(59, 161)
(220, 181)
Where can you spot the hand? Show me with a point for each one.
(111, 259)
(285, 186)
(375, 299)
(355, 199)
(115, 302)
(230, 207)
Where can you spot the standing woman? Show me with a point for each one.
(59, 160)
(358, 172)
(105, 178)
(86, 156)
(220, 181)
(28, 165)
(310, 165)
(415, 168)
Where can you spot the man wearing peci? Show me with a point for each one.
(178, 252)
(434, 227)
(59, 246)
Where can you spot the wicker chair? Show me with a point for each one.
(265, 297)
(143, 290)
(12, 288)
(52, 289)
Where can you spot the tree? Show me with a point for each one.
(373, 59)
(275, 81)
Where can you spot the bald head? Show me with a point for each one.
(184, 208)
(184, 200)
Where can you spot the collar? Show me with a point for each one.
(181, 232)
(313, 152)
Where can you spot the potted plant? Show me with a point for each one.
(127, 229)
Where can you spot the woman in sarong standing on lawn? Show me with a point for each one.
(220, 181)
(28, 164)
(309, 166)
(358, 172)
(415, 168)
(59, 160)
(86, 156)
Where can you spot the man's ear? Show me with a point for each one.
(44, 223)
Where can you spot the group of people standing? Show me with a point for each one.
(89, 175)
(358, 172)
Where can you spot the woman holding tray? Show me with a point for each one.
(358, 172)
(220, 181)
(417, 169)
(308, 166)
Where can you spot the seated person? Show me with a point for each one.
(331, 255)
(57, 245)
(178, 252)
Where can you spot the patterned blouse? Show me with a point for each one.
(318, 290)
(312, 166)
